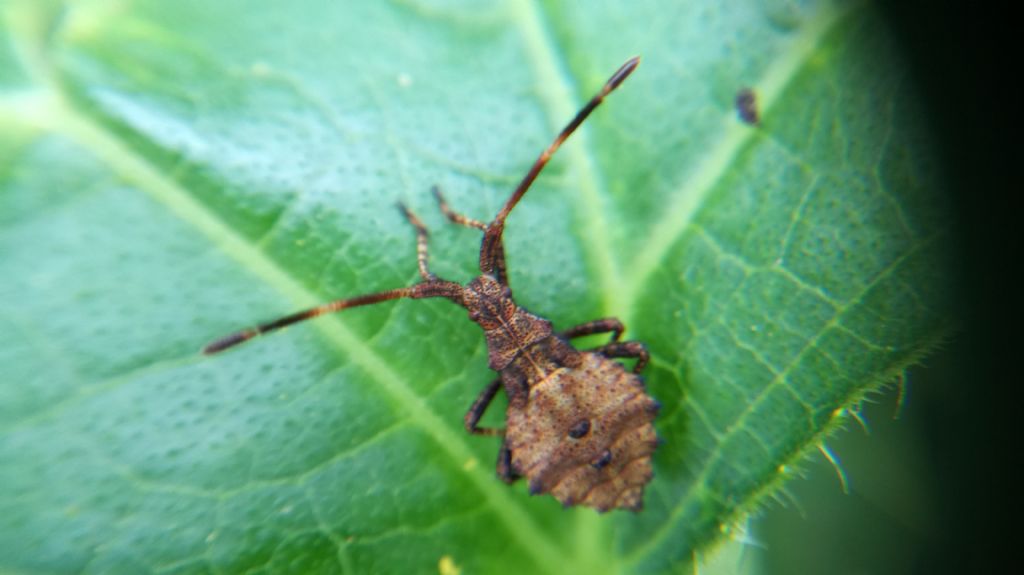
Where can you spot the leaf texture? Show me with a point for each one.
(170, 172)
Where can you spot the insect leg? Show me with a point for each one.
(505, 472)
(454, 217)
(604, 325)
(421, 242)
(476, 411)
(627, 349)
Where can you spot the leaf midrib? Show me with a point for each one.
(549, 67)
(557, 95)
(737, 425)
(619, 296)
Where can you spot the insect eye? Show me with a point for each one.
(579, 429)
(604, 460)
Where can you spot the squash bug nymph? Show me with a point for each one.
(578, 424)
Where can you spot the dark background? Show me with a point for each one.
(933, 492)
(960, 57)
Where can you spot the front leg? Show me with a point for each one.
(476, 411)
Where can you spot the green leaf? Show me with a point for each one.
(174, 171)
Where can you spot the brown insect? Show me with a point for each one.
(578, 424)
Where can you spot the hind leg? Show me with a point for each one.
(604, 325)
(627, 349)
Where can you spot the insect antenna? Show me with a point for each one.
(437, 288)
(492, 238)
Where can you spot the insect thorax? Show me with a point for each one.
(509, 329)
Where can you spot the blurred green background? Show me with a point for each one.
(923, 494)
(930, 492)
(895, 517)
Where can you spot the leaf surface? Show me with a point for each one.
(171, 172)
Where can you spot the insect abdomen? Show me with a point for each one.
(585, 435)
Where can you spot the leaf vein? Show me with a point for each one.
(699, 483)
(679, 215)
